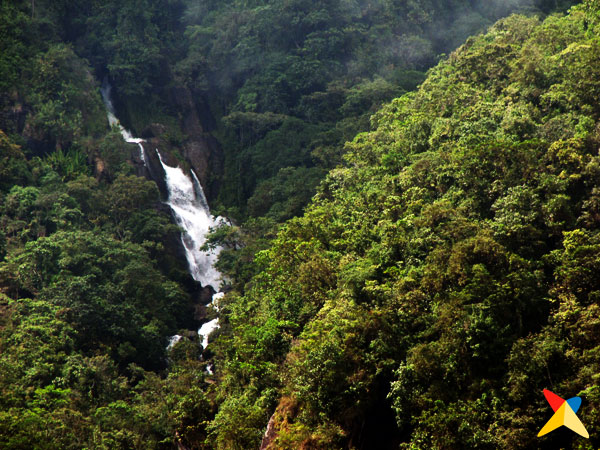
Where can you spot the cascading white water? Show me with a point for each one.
(189, 206)
(192, 214)
(207, 328)
(173, 340)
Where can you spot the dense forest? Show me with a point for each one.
(412, 257)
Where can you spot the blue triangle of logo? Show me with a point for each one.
(574, 403)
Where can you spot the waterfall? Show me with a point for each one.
(191, 212)
(207, 328)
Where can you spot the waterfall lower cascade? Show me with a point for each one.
(191, 212)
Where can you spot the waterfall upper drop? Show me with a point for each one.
(105, 90)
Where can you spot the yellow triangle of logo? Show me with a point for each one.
(557, 420)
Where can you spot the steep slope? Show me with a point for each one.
(446, 273)
(289, 81)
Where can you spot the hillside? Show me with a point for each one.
(445, 274)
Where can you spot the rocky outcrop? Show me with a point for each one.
(205, 156)
(152, 168)
(280, 421)
(188, 143)
(270, 434)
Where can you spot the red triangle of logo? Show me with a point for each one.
(554, 400)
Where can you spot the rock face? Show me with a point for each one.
(191, 146)
(200, 149)
(205, 156)
(281, 419)
(153, 169)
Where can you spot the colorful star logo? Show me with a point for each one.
(564, 414)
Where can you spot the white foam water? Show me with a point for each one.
(192, 214)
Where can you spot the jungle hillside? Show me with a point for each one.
(411, 249)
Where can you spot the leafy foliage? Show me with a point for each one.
(88, 293)
(444, 275)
